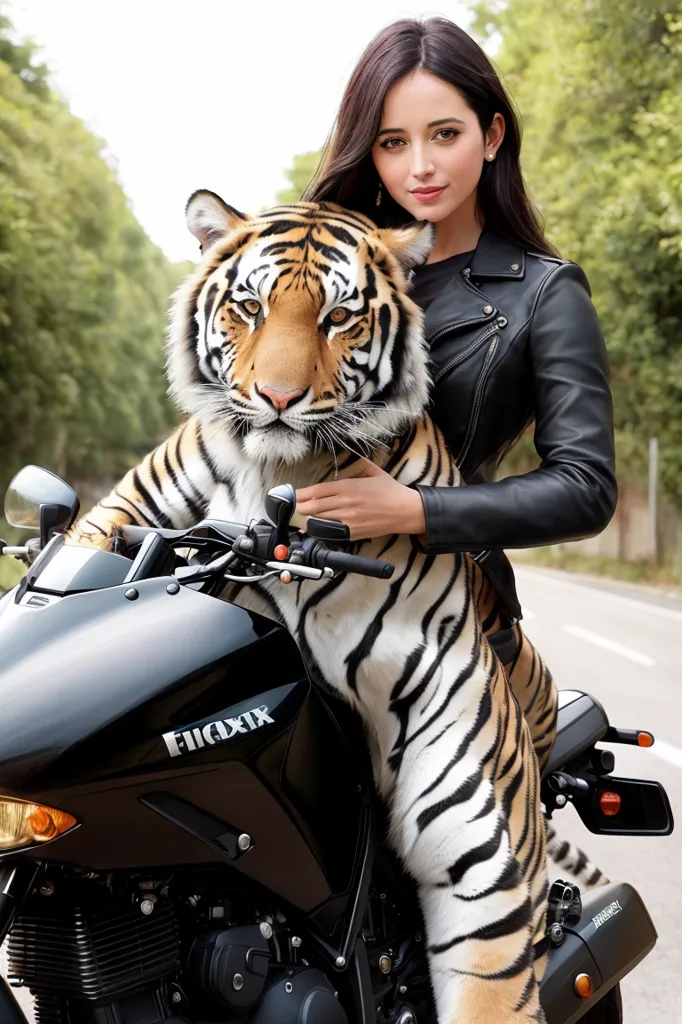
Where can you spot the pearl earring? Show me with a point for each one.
(491, 156)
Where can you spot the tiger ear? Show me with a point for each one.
(410, 245)
(209, 218)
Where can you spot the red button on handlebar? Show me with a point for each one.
(281, 552)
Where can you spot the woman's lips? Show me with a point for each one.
(430, 195)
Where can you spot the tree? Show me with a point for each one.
(83, 291)
(598, 83)
(299, 176)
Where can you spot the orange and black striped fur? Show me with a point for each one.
(295, 348)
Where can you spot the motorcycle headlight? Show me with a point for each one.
(25, 824)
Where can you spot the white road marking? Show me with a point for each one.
(528, 614)
(667, 752)
(642, 606)
(609, 645)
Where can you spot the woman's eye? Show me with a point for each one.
(446, 134)
(389, 143)
(339, 315)
(251, 306)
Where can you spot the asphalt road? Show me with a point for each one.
(624, 645)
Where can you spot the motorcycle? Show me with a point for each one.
(188, 826)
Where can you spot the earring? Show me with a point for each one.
(379, 194)
(491, 156)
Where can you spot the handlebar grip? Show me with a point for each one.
(342, 562)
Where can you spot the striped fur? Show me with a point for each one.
(455, 739)
(574, 860)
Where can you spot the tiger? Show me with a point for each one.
(296, 353)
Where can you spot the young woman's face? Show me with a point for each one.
(430, 149)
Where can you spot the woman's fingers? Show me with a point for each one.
(339, 488)
(318, 491)
(321, 507)
(342, 491)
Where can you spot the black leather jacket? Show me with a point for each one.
(515, 338)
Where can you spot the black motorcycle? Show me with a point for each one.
(188, 827)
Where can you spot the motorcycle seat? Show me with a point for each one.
(581, 722)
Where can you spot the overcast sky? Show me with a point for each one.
(205, 93)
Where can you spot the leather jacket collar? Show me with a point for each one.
(461, 303)
(498, 258)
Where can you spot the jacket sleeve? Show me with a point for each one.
(573, 493)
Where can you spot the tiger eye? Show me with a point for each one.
(251, 306)
(339, 315)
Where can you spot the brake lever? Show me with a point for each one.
(307, 572)
(194, 574)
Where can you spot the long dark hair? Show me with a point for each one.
(347, 175)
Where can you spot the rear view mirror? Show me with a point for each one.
(627, 807)
(39, 500)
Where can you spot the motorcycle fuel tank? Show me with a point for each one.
(166, 721)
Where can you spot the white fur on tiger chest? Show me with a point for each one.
(334, 627)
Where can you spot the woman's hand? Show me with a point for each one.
(372, 505)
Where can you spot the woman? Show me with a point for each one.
(426, 131)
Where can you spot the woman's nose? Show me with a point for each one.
(422, 166)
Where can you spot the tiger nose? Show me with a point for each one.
(280, 399)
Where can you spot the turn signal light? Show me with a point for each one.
(609, 803)
(24, 824)
(645, 739)
(583, 986)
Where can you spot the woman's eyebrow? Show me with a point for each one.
(444, 120)
(431, 124)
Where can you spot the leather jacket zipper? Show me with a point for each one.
(458, 323)
(478, 400)
(501, 321)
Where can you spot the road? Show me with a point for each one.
(624, 645)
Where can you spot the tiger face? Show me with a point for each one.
(296, 329)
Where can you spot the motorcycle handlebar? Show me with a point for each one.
(338, 561)
(341, 562)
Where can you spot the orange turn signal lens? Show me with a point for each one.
(609, 803)
(25, 824)
(583, 986)
(645, 739)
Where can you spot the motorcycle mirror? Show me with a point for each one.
(280, 505)
(37, 499)
(633, 807)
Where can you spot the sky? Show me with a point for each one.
(205, 93)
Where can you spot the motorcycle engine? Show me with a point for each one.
(84, 952)
(232, 968)
(93, 953)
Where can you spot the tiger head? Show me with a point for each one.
(296, 329)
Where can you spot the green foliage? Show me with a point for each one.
(83, 291)
(11, 571)
(299, 176)
(599, 85)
